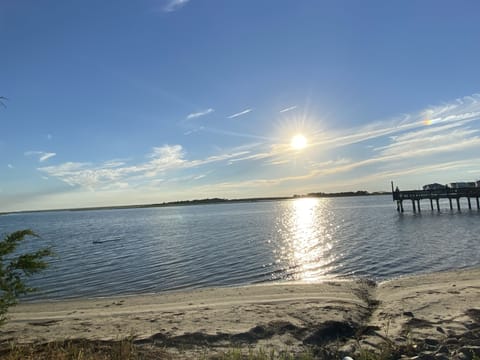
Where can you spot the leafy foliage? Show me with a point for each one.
(15, 268)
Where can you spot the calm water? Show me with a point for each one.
(107, 252)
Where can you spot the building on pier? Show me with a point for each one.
(434, 186)
(462, 185)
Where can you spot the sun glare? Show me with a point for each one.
(298, 142)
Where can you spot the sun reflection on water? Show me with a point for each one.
(306, 235)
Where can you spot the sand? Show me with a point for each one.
(429, 306)
(292, 315)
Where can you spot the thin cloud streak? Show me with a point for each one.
(193, 131)
(237, 134)
(239, 113)
(46, 156)
(288, 109)
(199, 114)
(174, 5)
(42, 155)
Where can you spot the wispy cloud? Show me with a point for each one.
(199, 114)
(163, 161)
(441, 168)
(288, 109)
(193, 131)
(114, 163)
(246, 111)
(426, 138)
(174, 5)
(418, 143)
(10, 166)
(42, 155)
(459, 113)
(237, 134)
(46, 156)
(259, 183)
(437, 130)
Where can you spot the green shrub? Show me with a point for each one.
(14, 269)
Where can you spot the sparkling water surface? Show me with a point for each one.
(135, 251)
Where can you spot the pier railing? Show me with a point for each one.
(435, 195)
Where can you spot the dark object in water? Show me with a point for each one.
(106, 240)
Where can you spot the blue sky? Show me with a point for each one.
(131, 102)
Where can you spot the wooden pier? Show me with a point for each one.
(415, 196)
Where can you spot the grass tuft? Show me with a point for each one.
(82, 350)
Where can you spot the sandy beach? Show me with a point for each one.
(349, 314)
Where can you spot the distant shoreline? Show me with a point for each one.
(210, 201)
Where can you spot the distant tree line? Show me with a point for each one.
(342, 194)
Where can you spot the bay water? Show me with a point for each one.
(149, 250)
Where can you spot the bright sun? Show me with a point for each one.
(298, 142)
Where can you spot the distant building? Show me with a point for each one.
(478, 183)
(434, 186)
(462, 185)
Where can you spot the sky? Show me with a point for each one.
(139, 102)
